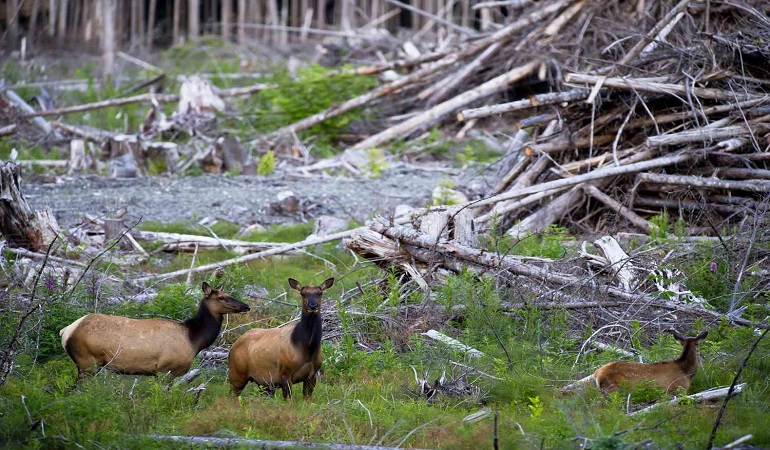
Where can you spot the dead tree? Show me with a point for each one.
(19, 225)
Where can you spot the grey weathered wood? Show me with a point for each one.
(532, 102)
(704, 182)
(263, 444)
(19, 224)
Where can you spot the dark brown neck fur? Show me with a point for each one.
(689, 359)
(203, 328)
(307, 334)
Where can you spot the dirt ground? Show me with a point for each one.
(241, 199)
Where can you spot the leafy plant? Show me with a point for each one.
(266, 164)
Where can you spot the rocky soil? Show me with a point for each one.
(240, 199)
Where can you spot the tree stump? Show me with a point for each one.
(22, 227)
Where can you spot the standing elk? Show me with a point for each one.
(280, 357)
(147, 346)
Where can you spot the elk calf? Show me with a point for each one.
(280, 357)
(147, 346)
(669, 375)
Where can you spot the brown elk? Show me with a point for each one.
(669, 375)
(280, 357)
(147, 346)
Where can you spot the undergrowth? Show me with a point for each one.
(367, 393)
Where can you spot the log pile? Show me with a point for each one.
(632, 111)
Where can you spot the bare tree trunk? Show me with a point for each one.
(193, 19)
(12, 21)
(52, 17)
(108, 38)
(33, 20)
(345, 16)
(62, 24)
(134, 18)
(321, 7)
(241, 21)
(272, 17)
(151, 22)
(227, 19)
(175, 26)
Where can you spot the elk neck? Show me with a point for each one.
(204, 327)
(689, 359)
(307, 333)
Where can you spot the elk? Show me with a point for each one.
(669, 375)
(147, 346)
(280, 357)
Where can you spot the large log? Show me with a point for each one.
(19, 224)
(598, 174)
(653, 87)
(436, 113)
(232, 442)
(532, 102)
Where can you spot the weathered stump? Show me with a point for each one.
(22, 227)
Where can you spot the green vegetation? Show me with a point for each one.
(367, 393)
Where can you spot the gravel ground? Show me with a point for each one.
(241, 199)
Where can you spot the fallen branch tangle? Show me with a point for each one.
(399, 246)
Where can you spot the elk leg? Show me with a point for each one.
(308, 386)
(286, 390)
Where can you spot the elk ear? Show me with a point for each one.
(221, 287)
(206, 288)
(677, 336)
(295, 284)
(327, 284)
(702, 335)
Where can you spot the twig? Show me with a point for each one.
(732, 388)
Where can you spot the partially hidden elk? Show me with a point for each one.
(281, 357)
(669, 375)
(147, 346)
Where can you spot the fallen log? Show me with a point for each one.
(619, 208)
(705, 396)
(532, 102)
(8, 130)
(698, 135)
(188, 242)
(436, 113)
(455, 257)
(605, 172)
(652, 87)
(262, 444)
(143, 98)
(761, 186)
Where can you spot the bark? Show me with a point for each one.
(658, 88)
(263, 444)
(618, 207)
(598, 174)
(436, 113)
(19, 224)
(532, 102)
(761, 186)
(143, 98)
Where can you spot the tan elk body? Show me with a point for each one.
(281, 357)
(669, 375)
(147, 346)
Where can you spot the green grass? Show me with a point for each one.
(367, 394)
